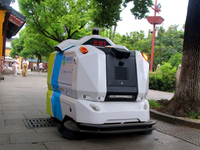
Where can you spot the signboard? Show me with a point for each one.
(66, 70)
(15, 20)
(155, 19)
(97, 42)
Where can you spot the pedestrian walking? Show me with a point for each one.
(15, 63)
(25, 64)
(40, 66)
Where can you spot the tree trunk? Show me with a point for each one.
(187, 96)
(110, 33)
(160, 53)
(115, 27)
(39, 59)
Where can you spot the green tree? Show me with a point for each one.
(30, 43)
(130, 39)
(17, 44)
(140, 7)
(38, 46)
(170, 43)
(52, 18)
(143, 45)
(167, 43)
(163, 79)
(106, 13)
(175, 60)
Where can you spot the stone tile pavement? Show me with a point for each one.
(158, 95)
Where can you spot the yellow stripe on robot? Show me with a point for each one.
(50, 91)
(50, 69)
(48, 104)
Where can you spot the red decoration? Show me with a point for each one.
(15, 20)
(2, 64)
(155, 19)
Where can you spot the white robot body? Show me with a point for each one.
(105, 84)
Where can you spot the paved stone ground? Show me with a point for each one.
(23, 98)
(158, 95)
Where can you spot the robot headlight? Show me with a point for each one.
(120, 96)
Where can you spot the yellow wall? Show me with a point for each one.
(20, 60)
(7, 52)
(2, 17)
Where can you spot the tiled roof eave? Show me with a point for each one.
(18, 15)
(6, 2)
(4, 6)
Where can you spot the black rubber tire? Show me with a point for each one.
(69, 134)
(146, 132)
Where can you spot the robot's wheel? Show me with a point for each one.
(70, 130)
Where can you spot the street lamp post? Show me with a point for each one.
(154, 20)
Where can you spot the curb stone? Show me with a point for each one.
(175, 120)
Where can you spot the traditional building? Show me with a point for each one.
(8, 47)
(11, 22)
(7, 58)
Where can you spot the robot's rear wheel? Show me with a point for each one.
(70, 130)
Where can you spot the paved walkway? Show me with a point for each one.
(158, 95)
(23, 98)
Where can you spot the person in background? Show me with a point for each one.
(15, 63)
(40, 66)
(25, 64)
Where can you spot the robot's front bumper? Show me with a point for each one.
(117, 128)
(80, 129)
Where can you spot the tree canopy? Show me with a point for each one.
(140, 7)
(31, 44)
(106, 13)
(52, 18)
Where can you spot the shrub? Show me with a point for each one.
(163, 79)
(193, 115)
(175, 60)
(154, 104)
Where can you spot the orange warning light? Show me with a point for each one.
(83, 50)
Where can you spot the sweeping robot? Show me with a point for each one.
(97, 87)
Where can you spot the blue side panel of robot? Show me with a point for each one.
(56, 107)
(55, 100)
(56, 71)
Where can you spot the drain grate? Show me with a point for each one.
(40, 123)
(187, 134)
